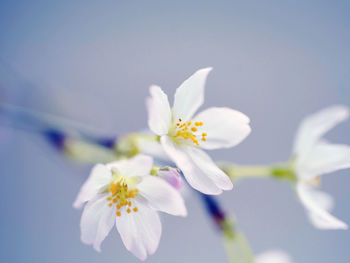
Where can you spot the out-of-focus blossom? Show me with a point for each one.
(273, 256)
(182, 136)
(124, 193)
(172, 176)
(313, 157)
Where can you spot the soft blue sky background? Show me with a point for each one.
(92, 61)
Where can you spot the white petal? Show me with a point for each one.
(199, 170)
(100, 176)
(324, 158)
(273, 256)
(139, 165)
(97, 221)
(324, 200)
(206, 164)
(140, 231)
(159, 113)
(194, 176)
(161, 196)
(315, 203)
(313, 127)
(190, 95)
(225, 127)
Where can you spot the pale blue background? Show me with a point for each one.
(92, 61)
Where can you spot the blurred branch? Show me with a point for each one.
(235, 243)
(72, 139)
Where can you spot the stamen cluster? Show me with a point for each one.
(187, 130)
(122, 196)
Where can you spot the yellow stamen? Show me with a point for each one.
(121, 195)
(187, 131)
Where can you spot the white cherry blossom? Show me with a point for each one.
(313, 156)
(183, 135)
(123, 193)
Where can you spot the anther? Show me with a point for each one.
(118, 213)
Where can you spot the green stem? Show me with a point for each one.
(235, 171)
(280, 171)
(238, 249)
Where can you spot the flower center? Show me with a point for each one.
(121, 195)
(189, 131)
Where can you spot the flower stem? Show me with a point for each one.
(235, 171)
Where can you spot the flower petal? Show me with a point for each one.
(324, 158)
(161, 196)
(273, 256)
(206, 164)
(139, 165)
(140, 231)
(190, 95)
(159, 113)
(316, 203)
(225, 127)
(99, 177)
(97, 221)
(199, 170)
(313, 127)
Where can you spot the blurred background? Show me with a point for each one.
(93, 61)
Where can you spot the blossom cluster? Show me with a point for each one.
(128, 192)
